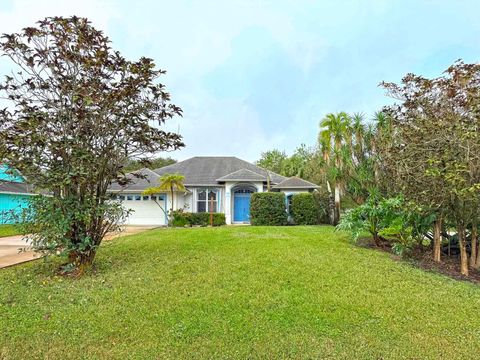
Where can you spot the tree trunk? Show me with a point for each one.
(376, 239)
(463, 249)
(331, 204)
(336, 213)
(81, 261)
(437, 240)
(474, 260)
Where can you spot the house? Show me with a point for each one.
(14, 194)
(218, 184)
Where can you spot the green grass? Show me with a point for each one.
(237, 293)
(8, 230)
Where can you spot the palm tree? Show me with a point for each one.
(358, 129)
(171, 183)
(336, 129)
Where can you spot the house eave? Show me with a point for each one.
(295, 187)
(17, 193)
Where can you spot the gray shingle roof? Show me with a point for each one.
(138, 184)
(243, 175)
(295, 183)
(205, 170)
(13, 187)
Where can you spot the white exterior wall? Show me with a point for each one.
(228, 198)
(149, 213)
(144, 212)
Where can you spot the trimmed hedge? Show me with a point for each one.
(182, 219)
(322, 202)
(268, 208)
(304, 209)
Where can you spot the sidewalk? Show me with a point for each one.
(9, 251)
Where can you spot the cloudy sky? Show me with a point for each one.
(254, 75)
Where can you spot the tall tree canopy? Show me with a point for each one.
(433, 157)
(77, 110)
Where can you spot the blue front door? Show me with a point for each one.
(241, 207)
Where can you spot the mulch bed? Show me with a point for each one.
(450, 265)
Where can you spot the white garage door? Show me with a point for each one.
(145, 210)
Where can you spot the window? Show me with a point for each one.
(207, 200)
(155, 198)
(129, 197)
(121, 197)
(244, 191)
(146, 197)
(289, 203)
(138, 197)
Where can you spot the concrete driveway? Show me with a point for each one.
(10, 246)
(10, 254)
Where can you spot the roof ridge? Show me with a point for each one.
(153, 172)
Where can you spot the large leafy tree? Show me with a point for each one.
(77, 110)
(434, 154)
(272, 160)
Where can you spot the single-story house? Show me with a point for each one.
(218, 184)
(14, 194)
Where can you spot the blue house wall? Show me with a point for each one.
(8, 176)
(10, 202)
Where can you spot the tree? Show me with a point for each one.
(171, 183)
(272, 160)
(434, 153)
(295, 164)
(77, 110)
(335, 130)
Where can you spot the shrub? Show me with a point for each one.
(323, 203)
(391, 220)
(181, 219)
(304, 210)
(268, 208)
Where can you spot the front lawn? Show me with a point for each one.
(8, 230)
(237, 293)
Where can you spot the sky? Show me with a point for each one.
(255, 75)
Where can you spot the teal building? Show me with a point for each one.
(14, 194)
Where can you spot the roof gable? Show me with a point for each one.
(295, 183)
(147, 178)
(205, 170)
(14, 187)
(243, 175)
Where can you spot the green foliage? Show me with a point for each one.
(304, 209)
(278, 162)
(74, 114)
(390, 220)
(61, 225)
(182, 219)
(268, 208)
(322, 202)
